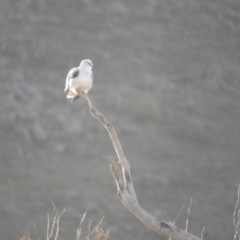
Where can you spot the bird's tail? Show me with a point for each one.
(73, 96)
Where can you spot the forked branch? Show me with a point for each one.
(126, 192)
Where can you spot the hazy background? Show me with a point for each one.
(166, 74)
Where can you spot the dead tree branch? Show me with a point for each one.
(126, 192)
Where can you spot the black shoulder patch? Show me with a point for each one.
(75, 73)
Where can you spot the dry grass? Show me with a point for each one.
(100, 233)
(53, 226)
(52, 233)
(26, 238)
(236, 216)
(97, 233)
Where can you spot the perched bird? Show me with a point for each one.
(79, 80)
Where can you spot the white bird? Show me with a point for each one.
(79, 80)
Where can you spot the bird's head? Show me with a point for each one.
(87, 63)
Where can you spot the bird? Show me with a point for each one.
(79, 80)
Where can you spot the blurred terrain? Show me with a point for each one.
(166, 74)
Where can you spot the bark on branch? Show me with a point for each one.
(126, 192)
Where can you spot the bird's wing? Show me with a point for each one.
(73, 73)
(91, 79)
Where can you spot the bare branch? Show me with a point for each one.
(236, 216)
(126, 192)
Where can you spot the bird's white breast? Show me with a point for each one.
(83, 80)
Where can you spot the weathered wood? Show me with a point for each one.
(126, 192)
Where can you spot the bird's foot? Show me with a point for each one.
(75, 98)
(83, 94)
